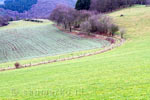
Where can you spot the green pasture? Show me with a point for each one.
(120, 74)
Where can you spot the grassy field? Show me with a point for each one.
(120, 74)
(26, 40)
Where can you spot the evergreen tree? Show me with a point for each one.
(83, 4)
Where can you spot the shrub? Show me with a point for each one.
(86, 26)
(94, 21)
(91, 25)
(33, 20)
(4, 20)
(104, 24)
(113, 29)
(17, 65)
(122, 32)
(100, 24)
(82, 16)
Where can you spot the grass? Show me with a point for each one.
(42, 59)
(120, 74)
(25, 40)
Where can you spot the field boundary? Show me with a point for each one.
(105, 49)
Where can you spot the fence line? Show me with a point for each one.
(105, 49)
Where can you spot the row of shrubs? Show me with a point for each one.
(4, 20)
(87, 21)
(100, 24)
(33, 20)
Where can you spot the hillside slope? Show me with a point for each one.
(41, 9)
(31, 40)
(120, 74)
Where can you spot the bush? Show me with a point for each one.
(17, 65)
(86, 26)
(100, 24)
(33, 20)
(82, 16)
(122, 32)
(113, 29)
(104, 24)
(3, 21)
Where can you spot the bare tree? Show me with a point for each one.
(65, 15)
(86, 27)
(147, 2)
(4, 20)
(100, 24)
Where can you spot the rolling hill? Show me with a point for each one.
(120, 74)
(31, 8)
(26, 40)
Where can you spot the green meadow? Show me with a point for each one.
(120, 74)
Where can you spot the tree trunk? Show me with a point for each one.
(65, 26)
(70, 27)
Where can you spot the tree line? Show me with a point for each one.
(87, 15)
(107, 5)
(87, 21)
